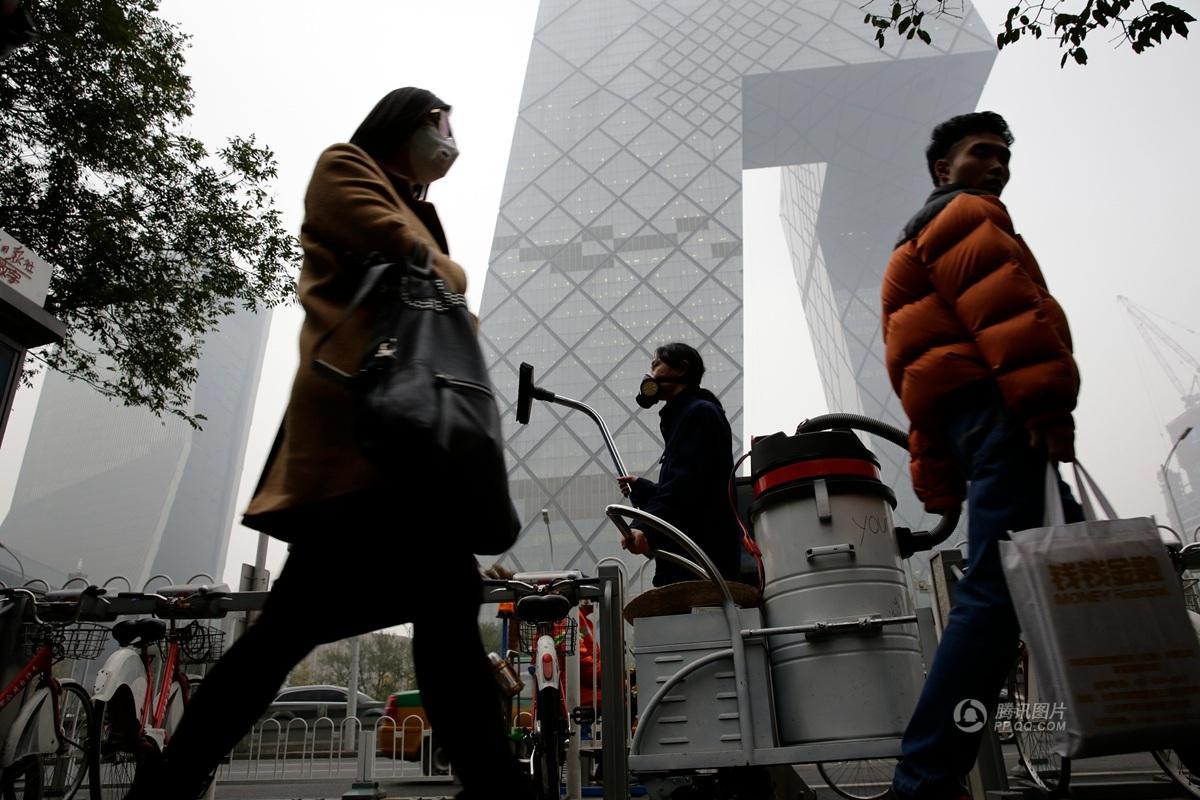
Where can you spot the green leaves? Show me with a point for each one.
(1141, 26)
(155, 239)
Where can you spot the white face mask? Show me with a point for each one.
(430, 154)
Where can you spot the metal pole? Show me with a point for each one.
(365, 786)
(604, 432)
(260, 563)
(612, 685)
(1167, 482)
(574, 782)
(258, 579)
(349, 727)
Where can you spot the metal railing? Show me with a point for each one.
(299, 751)
(383, 750)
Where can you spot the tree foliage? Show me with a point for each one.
(385, 662)
(1137, 24)
(385, 665)
(154, 238)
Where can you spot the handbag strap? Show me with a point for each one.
(1083, 480)
(1052, 513)
(371, 279)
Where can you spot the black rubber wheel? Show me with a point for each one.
(434, 759)
(1182, 767)
(547, 756)
(115, 747)
(1046, 769)
(63, 773)
(867, 779)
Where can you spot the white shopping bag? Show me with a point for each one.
(1103, 617)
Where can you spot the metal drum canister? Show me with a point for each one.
(823, 521)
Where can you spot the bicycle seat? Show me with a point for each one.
(543, 608)
(140, 631)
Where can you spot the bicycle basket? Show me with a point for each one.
(75, 640)
(564, 633)
(199, 644)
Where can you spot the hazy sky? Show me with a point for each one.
(1103, 189)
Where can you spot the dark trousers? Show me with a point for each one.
(1005, 493)
(366, 573)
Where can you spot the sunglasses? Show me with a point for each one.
(440, 117)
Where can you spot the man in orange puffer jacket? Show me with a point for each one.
(980, 354)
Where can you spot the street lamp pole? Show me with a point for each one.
(1167, 480)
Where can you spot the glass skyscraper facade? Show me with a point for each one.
(108, 490)
(620, 225)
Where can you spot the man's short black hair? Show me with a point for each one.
(955, 129)
(678, 355)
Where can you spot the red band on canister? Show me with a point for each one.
(816, 468)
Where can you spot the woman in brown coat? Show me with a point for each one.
(366, 553)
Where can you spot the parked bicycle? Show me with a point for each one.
(543, 605)
(1051, 772)
(45, 752)
(139, 699)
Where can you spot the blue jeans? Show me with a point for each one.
(1006, 487)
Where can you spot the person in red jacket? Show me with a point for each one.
(980, 354)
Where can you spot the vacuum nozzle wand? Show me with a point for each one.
(527, 392)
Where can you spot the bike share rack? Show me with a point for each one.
(609, 596)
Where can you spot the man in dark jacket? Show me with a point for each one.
(692, 489)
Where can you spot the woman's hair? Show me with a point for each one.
(678, 355)
(393, 120)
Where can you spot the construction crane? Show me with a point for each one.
(1156, 338)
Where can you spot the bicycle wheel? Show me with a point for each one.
(115, 745)
(1184, 770)
(867, 779)
(547, 756)
(1035, 749)
(63, 773)
(22, 780)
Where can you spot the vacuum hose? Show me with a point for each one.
(910, 541)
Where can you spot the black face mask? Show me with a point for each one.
(650, 390)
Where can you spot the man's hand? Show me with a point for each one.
(637, 544)
(626, 483)
(1057, 443)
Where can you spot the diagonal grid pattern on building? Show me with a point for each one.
(621, 217)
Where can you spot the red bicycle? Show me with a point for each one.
(45, 752)
(139, 698)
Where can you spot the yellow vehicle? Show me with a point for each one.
(404, 732)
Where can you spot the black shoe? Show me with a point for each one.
(154, 780)
(150, 775)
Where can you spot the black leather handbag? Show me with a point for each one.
(422, 396)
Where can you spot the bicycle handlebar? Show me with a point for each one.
(1187, 557)
(519, 587)
(91, 591)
